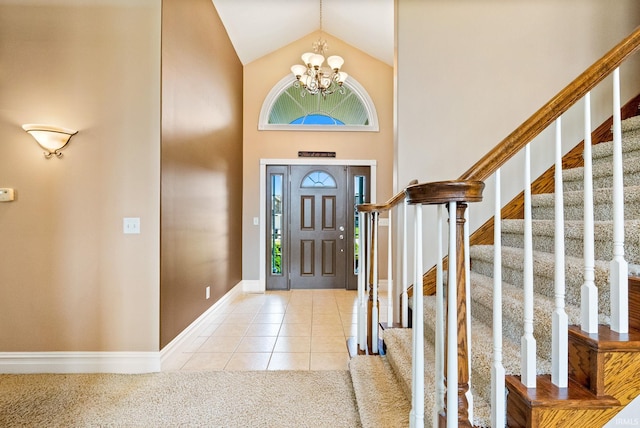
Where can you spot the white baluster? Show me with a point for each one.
(589, 291)
(619, 268)
(498, 408)
(362, 281)
(375, 318)
(452, 324)
(560, 322)
(416, 416)
(439, 342)
(405, 278)
(467, 270)
(390, 291)
(528, 342)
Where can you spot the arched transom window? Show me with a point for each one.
(285, 108)
(318, 179)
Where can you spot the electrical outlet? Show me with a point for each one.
(207, 292)
(131, 225)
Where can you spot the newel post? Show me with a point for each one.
(456, 195)
(461, 322)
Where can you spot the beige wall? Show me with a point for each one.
(201, 163)
(470, 71)
(259, 77)
(69, 279)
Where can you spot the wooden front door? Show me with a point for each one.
(311, 225)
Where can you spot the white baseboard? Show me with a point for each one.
(79, 362)
(180, 339)
(103, 362)
(253, 286)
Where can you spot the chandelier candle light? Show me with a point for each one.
(313, 77)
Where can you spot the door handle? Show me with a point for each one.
(341, 236)
(341, 228)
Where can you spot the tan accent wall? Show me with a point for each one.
(470, 72)
(259, 77)
(201, 163)
(70, 280)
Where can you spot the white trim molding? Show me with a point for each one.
(79, 362)
(286, 81)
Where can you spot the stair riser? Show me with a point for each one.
(631, 178)
(481, 360)
(603, 152)
(603, 247)
(544, 282)
(602, 211)
(513, 324)
(481, 384)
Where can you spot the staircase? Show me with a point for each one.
(603, 368)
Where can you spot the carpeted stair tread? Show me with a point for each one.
(542, 205)
(630, 124)
(398, 342)
(513, 311)
(482, 355)
(380, 399)
(543, 269)
(630, 147)
(544, 237)
(573, 179)
(399, 346)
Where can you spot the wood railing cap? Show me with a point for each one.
(441, 192)
(395, 200)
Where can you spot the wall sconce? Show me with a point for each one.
(51, 138)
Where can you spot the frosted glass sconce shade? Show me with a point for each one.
(51, 138)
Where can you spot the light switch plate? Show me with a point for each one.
(6, 194)
(131, 225)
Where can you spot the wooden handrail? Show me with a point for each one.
(552, 110)
(395, 200)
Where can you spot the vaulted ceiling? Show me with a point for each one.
(259, 27)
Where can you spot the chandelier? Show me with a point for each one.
(312, 77)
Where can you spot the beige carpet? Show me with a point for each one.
(185, 399)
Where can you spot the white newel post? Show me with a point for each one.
(619, 268)
(528, 342)
(416, 416)
(589, 291)
(498, 407)
(560, 322)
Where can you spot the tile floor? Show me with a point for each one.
(277, 330)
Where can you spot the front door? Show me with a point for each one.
(318, 226)
(311, 226)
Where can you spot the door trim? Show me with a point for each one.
(262, 286)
